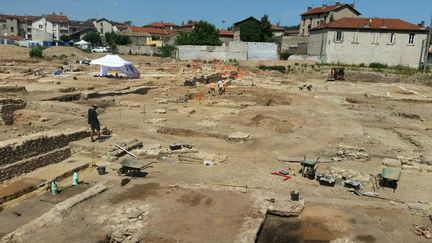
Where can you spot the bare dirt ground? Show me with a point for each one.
(190, 202)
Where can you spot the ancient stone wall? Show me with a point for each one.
(7, 107)
(28, 165)
(15, 150)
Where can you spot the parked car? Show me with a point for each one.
(101, 50)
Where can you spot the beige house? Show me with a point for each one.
(8, 26)
(103, 26)
(50, 27)
(316, 17)
(369, 40)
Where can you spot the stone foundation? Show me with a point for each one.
(15, 150)
(7, 108)
(28, 165)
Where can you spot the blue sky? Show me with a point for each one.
(140, 12)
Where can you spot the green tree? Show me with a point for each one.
(251, 31)
(36, 52)
(257, 31)
(114, 39)
(65, 38)
(94, 38)
(203, 33)
(166, 50)
(267, 30)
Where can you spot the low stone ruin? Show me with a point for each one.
(7, 108)
(204, 79)
(22, 155)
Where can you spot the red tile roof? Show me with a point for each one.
(277, 27)
(374, 23)
(57, 19)
(151, 30)
(190, 24)
(161, 25)
(227, 33)
(12, 37)
(326, 9)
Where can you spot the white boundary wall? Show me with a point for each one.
(234, 50)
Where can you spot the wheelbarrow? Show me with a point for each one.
(308, 169)
(389, 177)
(133, 168)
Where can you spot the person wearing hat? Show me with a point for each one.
(94, 123)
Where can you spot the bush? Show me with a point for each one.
(377, 65)
(36, 52)
(284, 55)
(281, 69)
(166, 50)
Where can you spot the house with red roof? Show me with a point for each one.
(162, 25)
(315, 17)
(369, 40)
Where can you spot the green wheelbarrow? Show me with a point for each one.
(389, 177)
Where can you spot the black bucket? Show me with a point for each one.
(101, 170)
(295, 195)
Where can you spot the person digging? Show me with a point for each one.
(94, 123)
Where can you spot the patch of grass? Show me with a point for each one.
(377, 65)
(281, 69)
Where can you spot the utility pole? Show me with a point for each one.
(426, 55)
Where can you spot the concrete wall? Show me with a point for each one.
(292, 41)
(234, 50)
(136, 50)
(365, 50)
(262, 51)
(317, 43)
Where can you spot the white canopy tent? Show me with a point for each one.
(81, 42)
(114, 62)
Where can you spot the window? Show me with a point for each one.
(375, 38)
(411, 39)
(28, 29)
(4, 26)
(309, 27)
(318, 23)
(40, 26)
(355, 37)
(339, 36)
(392, 38)
(12, 29)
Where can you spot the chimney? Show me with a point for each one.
(338, 3)
(309, 8)
(422, 24)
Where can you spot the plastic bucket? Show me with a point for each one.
(295, 195)
(101, 170)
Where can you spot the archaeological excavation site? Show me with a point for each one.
(283, 155)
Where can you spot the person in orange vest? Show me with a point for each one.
(213, 88)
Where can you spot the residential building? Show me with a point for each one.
(188, 27)
(50, 27)
(238, 25)
(162, 25)
(103, 26)
(8, 26)
(278, 30)
(117, 28)
(316, 17)
(138, 38)
(25, 26)
(369, 40)
(159, 36)
(77, 26)
(79, 35)
(226, 36)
